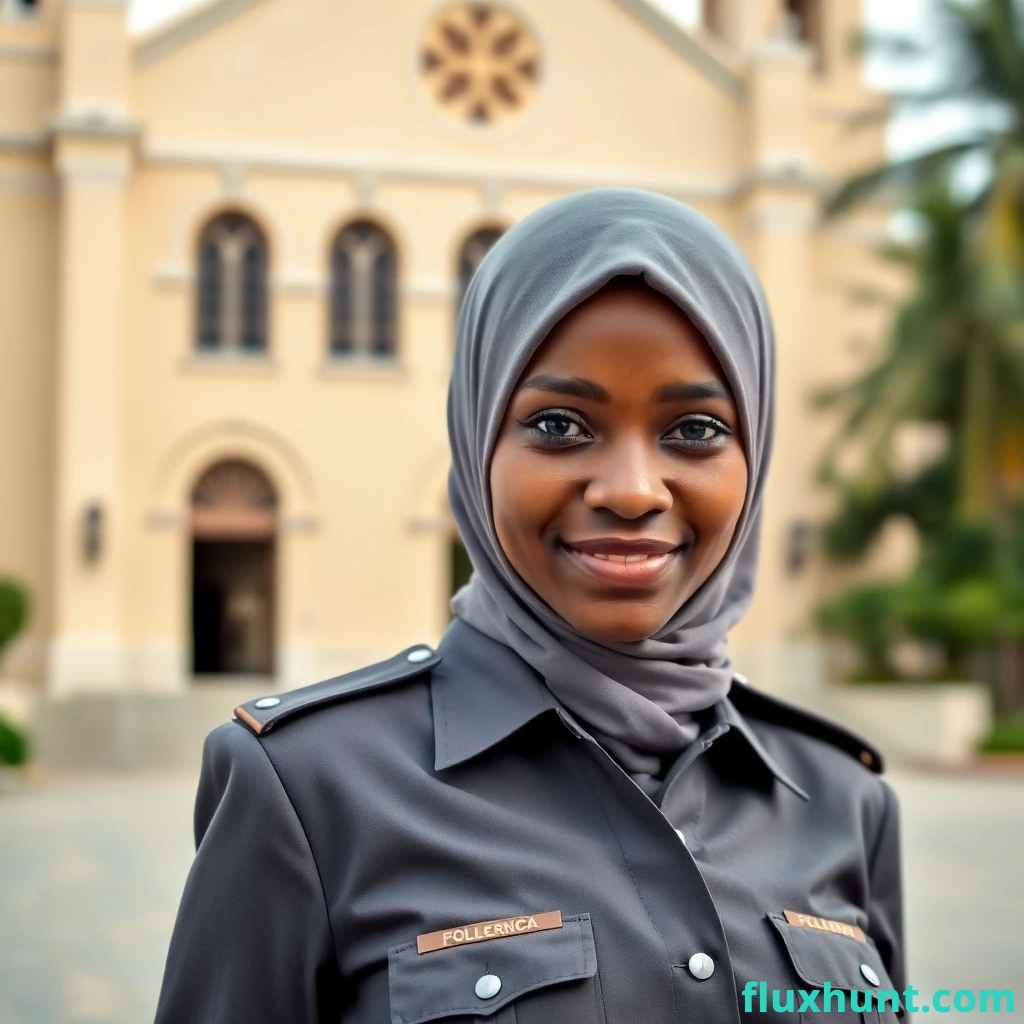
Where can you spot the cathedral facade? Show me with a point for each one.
(232, 252)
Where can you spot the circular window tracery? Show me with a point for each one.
(480, 63)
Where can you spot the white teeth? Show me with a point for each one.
(624, 558)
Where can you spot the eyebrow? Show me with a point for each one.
(578, 387)
(687, 392)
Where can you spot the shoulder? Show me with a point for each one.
(838, 769)
(766, 708)
(269, 713)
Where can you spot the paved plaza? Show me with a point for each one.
(91, 871)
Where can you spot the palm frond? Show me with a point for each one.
(900, 176)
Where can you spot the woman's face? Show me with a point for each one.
(619, 475)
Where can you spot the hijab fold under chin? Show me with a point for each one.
(637, 698)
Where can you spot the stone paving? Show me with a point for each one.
(91, 871)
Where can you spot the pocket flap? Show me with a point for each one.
(442, 983)
(845, 963)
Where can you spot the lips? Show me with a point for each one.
(623, 546)
(622, 562)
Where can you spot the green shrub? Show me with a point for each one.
(14, 745)
(14, 609)
(1006, 737)
(863, 615)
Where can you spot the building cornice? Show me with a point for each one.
(24, 142)
(402, 167)
(28, 55)
(95, 124)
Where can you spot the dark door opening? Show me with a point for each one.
(232, 607)
(234, 526)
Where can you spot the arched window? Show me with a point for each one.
(364, 292)
(471, 255)
(804, 23)
(231, 296)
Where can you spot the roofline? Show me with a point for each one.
(192, 23)
(687, 45)
(196, 21)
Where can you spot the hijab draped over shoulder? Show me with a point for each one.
(637, 698)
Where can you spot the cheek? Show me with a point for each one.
(524, 499)
(718, 497)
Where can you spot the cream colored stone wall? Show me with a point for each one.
(306, 114)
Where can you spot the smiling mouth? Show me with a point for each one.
(639, 569)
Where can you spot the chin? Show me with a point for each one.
(617, 628)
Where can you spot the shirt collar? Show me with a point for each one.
(482, 692)
(726, 713)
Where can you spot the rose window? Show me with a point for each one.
(480, 63)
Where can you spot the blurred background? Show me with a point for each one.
(234, 237)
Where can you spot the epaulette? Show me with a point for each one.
(768, 708)
(266, 713)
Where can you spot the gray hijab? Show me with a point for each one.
(637, 698)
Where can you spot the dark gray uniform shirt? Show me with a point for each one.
(423, 796)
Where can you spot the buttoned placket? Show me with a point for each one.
(703, 980)
(698, 746)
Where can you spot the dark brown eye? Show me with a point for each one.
(700, 432)
(556, 428)
(559, 425)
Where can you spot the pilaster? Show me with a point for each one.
(779, 211)
(93, 150)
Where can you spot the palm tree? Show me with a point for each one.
(957, 346)
(955, 355)
(978, 46)
(955, 352)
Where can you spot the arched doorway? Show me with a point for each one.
(234, 528)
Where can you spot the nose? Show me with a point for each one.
(628, 482)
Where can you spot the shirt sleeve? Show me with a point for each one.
(252, 942)
(885, 909)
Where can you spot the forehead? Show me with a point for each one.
(627, 323)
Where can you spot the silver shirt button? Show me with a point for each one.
(267, 702)
(701, 966)
(869, 974)
(488, 986)
(420, 654)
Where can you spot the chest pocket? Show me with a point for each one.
(846, 964)
(545, 976)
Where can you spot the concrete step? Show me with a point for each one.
(134, 731)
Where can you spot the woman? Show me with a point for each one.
(573, 811)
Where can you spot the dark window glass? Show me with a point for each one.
(231, 287)
(363, 292)
(210, 289)
(341, 303)
(384, 303)
(254, 299)
(805, 24)
(474, 249)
